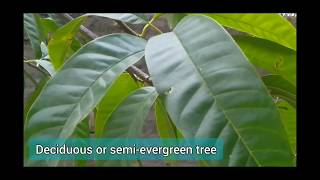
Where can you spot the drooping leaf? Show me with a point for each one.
(34, 30)
(164, 125)
(133, 18)
(270, 26)
(81, 83)
(269, 56)
(210, 90)
(280, 87)
(127, 120)
(61, 42)
(288, 117)
(121, 88)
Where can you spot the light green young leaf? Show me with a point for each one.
(288, 117)
(270, 26)
(120, 89)
(164, 125)
(269, 56)
(127, 120)
(61, 42)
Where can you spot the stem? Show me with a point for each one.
(126, 27)
(145, 28)
(35, 67)
(133, 69)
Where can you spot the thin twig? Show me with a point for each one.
(149, 24)
(126, 28)
(133, 69)
(37, 68)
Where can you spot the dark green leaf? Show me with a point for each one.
(80, 84)
(210, 90)
(34, 30)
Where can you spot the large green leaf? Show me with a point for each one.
(81, 83)
(211, 90)
(137, 18)
(117, 93)
(128, 118)
(281, 88)
(270, 26)
(34, 30)
(269, 56)
(61, 42)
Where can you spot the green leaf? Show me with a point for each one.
(57, 19)
(82, 131)
(117, 93)
(164, 125)
(34, 30)
(137, 18)
(61, 42)
(27, 106)
(127, 120)
(210, 90)
(34, 95)
(49, 27)
(270, 26)
(269, 56)
(81, 83)
(47, 66)
(281, 88)
(174, 18)
(288, 117)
